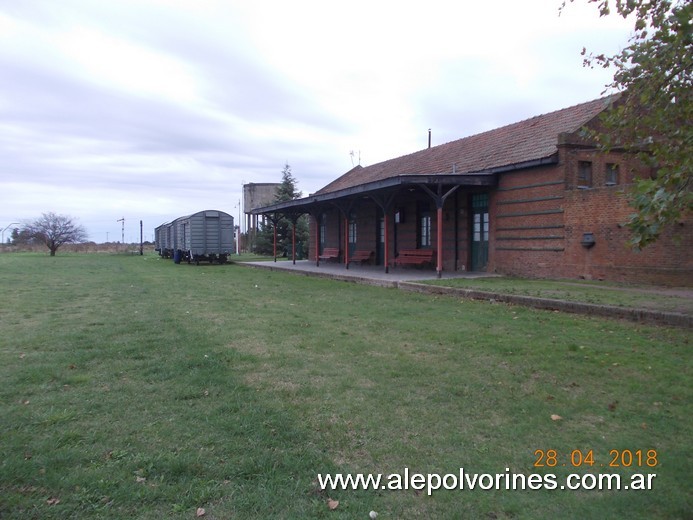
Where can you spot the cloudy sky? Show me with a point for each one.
(152, 109)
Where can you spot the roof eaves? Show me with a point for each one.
(472, 179)
(542, 161)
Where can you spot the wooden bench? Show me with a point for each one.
(414, 257)
(361, 256)
(329, 253)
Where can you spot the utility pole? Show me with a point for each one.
(122, 230)
(141, 250)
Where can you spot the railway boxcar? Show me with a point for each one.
(162, 240)
(203, 236)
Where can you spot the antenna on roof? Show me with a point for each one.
(429, 137)
(352, 153)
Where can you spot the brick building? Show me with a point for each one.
(533, 199)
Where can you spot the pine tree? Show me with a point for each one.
(284, 222)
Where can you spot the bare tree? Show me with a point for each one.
(55, 230)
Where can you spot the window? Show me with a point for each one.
(399, 216)
(611, 178)
(481, 221)
(352, 231)
(424, 231)
(323, 220)
(584, 174)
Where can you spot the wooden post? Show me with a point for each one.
(317, 240)
(439, 245)
(386, 246)
(293, 242)
(346, 242)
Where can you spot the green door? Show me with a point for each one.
(480, 226)
(352, 236)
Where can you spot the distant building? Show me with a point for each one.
(257, 195)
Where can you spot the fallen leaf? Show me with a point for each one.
(555, 417)
(332, 504)
(140, 479)
(53, 501)
(200, 511)
(612, 406)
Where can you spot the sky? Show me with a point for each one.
(153, 109)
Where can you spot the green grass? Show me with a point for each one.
(251, 257)
(603, 293)
(133, 387)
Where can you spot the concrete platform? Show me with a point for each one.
(371, 274)
(409, 279)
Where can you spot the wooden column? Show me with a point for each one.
(317, 239)
(293, 241)
(346, 242)
(439, 199)
(386, 245)
(439, 242)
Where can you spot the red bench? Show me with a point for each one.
(414, 257)
(329, 253)
(361, 256)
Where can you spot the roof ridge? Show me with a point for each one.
(606, 100)
(514, 143)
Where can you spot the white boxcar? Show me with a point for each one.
(204, 236)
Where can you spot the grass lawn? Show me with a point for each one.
(250, 257)
(132, 387)
(603, 293)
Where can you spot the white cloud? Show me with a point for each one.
(151, 109)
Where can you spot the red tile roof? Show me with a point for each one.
(529, 140)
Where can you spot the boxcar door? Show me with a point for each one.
(212, 234)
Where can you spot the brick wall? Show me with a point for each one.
(528, 223)
(540, 219)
